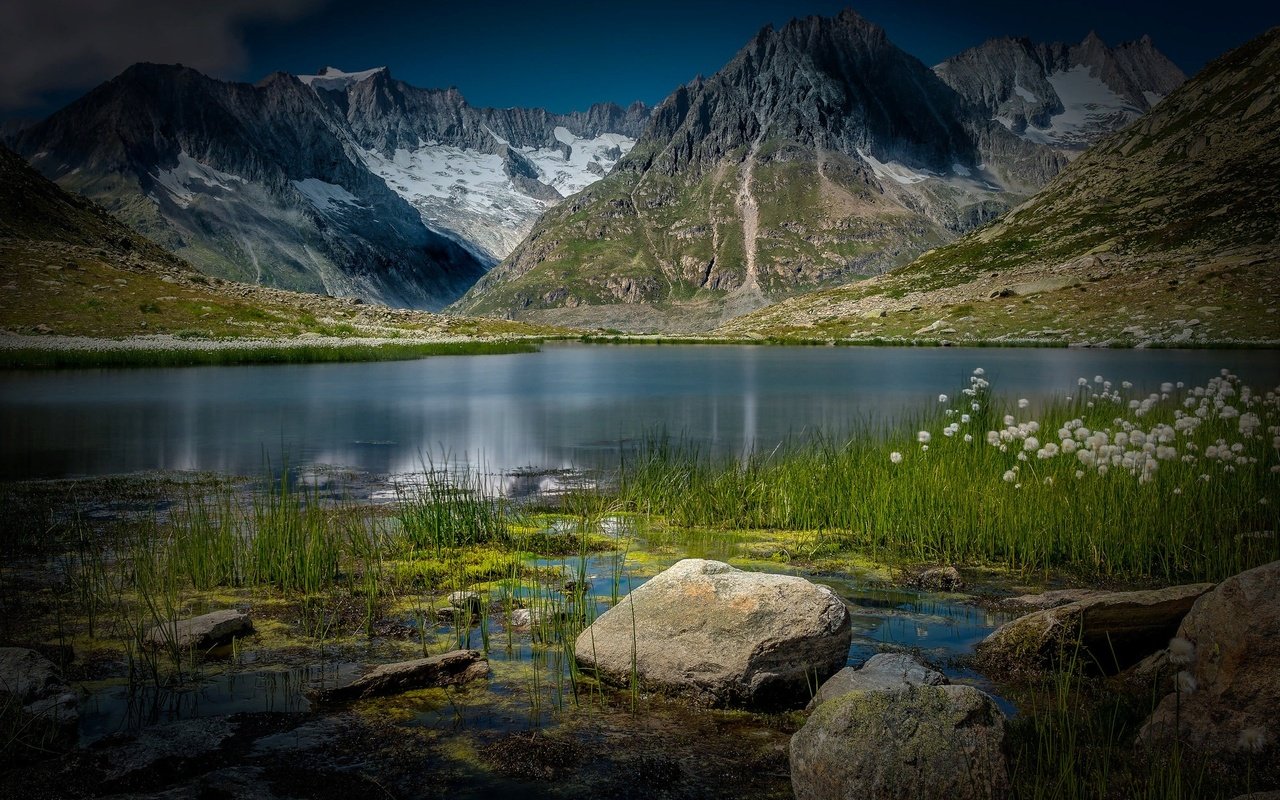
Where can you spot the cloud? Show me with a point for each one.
(58, 45)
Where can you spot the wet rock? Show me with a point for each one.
(882, 672)
(1116, 629)
(164, 749)
(36, 704)
(203, 632)
(448, 669)
(917, 743)
(940, 579)
(720, 636)
(467, 601)
(1236, 665)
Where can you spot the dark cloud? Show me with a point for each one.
(49, 46)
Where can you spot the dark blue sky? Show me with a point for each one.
(560, 55)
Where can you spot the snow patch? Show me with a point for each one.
(1024, 94)
(1152, 98)
(961, 170)
(893, 170)
(189, 178)
(334, 79)
(571, 174)
(327, 197)
(1090, 108)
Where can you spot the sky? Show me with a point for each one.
(557, 55)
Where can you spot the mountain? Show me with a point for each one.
(339, 183)
(69, 267)
(1163, 233)
(1068, 96)
(820, 153)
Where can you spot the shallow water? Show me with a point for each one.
(569, 406)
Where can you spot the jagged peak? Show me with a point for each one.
(332, 78)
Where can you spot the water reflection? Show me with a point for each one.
(569, 406)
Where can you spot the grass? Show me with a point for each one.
(53, 358)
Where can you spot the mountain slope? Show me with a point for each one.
(68, 267)
(819, 153)
(1068, 96)
(338, 183)
(1163, 233)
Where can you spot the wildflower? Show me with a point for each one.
(1031, 445)
(895, 457)
(1126, 385)
(1009, 420)
(1165, 388)
(1048, 480)
(1177, 490)
(923, 437)
(979, 372)
(965, 418)
(1181, 651)
(1023, 402)
(976, 406)
(924, 447)
(942, 398)
(968, 437)
(1010, 476)
(1097, 379)
(1252, 740)
(1082, 382)
(1186, 682)
(1102, 469)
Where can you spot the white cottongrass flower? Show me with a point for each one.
(1023, 402)
(1082, 382)
(1079, 474)
(1252, 740)
(923, 437)
(968, 437)
(1181, 652)
(1031, 444)
(1010, 476)
(965, 418)
(1009, 420)
(979, 372)
(1186, 682)
(895, 457)
(942, 398)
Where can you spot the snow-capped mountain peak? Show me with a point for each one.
(334, 79)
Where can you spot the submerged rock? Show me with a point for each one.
(1115, 629)
(201, 633)
(720, 636)
(913, 743)
(449, 669)
(882, 672)
(1235, 631)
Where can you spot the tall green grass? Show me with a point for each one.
(950, 501)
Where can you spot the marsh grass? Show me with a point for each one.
(954, 501)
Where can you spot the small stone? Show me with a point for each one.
(467, 601)
(450, 669)
(940, 579)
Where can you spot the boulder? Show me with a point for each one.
(1115, 629)
(1236, 665)
(884, 671)
(721, 636)
(37, 707)
(467, 601)
(940, 579)
(915, 743)
(201, 633)
(449, 669)
(1052, 598)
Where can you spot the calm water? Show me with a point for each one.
(568, 406)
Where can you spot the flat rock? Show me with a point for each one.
(1116, 629)
(915, 743)
(170, 744)
(201, 633)
(1236, 632)
(449, 669)
(721, 636)
(882, 672)
(1053, 598)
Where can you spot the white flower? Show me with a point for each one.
(1181, 652)
(1010, 476)
(1009, 420)
(1023, 402)
(1252, 740)
(1166, 388)
(1082, 382)
(1079, 474)
(942, 398)
(976, 406)
(1186, 682)
(923, 437)
(1031, 444)
(979, 371)
(924, 447)
(895, 457)
(965, 418)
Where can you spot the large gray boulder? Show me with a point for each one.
(913, 743)
(881, 672)
(201, 633)
(720, 636)
(1115, 629)
(36, 704)
(1235, 630)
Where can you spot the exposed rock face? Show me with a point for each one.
(1069, 96)
(819, 152)
(1236, 632)
(882, 672)
(449, 669)
(346, 184)
(202, 632)
(1115, 629)
(36, 704)
(721, 636)
(915, 743)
